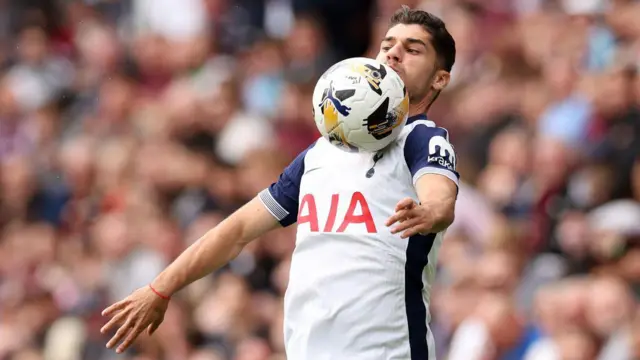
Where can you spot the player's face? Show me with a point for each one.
(407, 49)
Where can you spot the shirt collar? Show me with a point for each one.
(416, 117)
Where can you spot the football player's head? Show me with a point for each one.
(420, 49)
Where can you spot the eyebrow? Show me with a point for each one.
(408, 40)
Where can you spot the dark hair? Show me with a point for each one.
(441, 40)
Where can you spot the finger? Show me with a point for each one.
(133, 335)
(114, 321)
(401, 215)
(115, 307)
(124, 329)
(406, 203)
(404, 215)
(415, 230)
(405, 225)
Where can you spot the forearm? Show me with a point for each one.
(437, 195)
(212, 251)
(216, 248)
(442, 213)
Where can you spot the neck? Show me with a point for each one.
(420, 107)
(423, 105)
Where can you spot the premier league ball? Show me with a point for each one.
(360, 104)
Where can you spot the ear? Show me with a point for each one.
(440, 80)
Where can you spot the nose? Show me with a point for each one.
(394, 54)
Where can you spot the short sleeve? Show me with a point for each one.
(427, 150)
(281, 197)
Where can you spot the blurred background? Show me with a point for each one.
(130, 127)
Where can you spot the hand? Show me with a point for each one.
(412, 219)
(141, 310)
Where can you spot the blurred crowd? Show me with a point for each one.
(130, 127)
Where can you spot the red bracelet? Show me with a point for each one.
(158, 293)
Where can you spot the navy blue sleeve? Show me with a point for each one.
(281, 197)
(427, 150)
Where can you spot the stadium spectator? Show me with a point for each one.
(129, 127)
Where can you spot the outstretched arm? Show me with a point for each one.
(216, 248)
(145, 308)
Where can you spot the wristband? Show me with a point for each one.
(158, 293)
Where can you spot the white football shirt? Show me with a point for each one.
(356, 291)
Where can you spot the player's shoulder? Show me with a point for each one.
(426, 145)
(421, 129)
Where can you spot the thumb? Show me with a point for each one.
(406, 203)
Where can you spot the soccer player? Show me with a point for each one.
(369, 227)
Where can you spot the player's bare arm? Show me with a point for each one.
(145, 308)
(435, 212)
